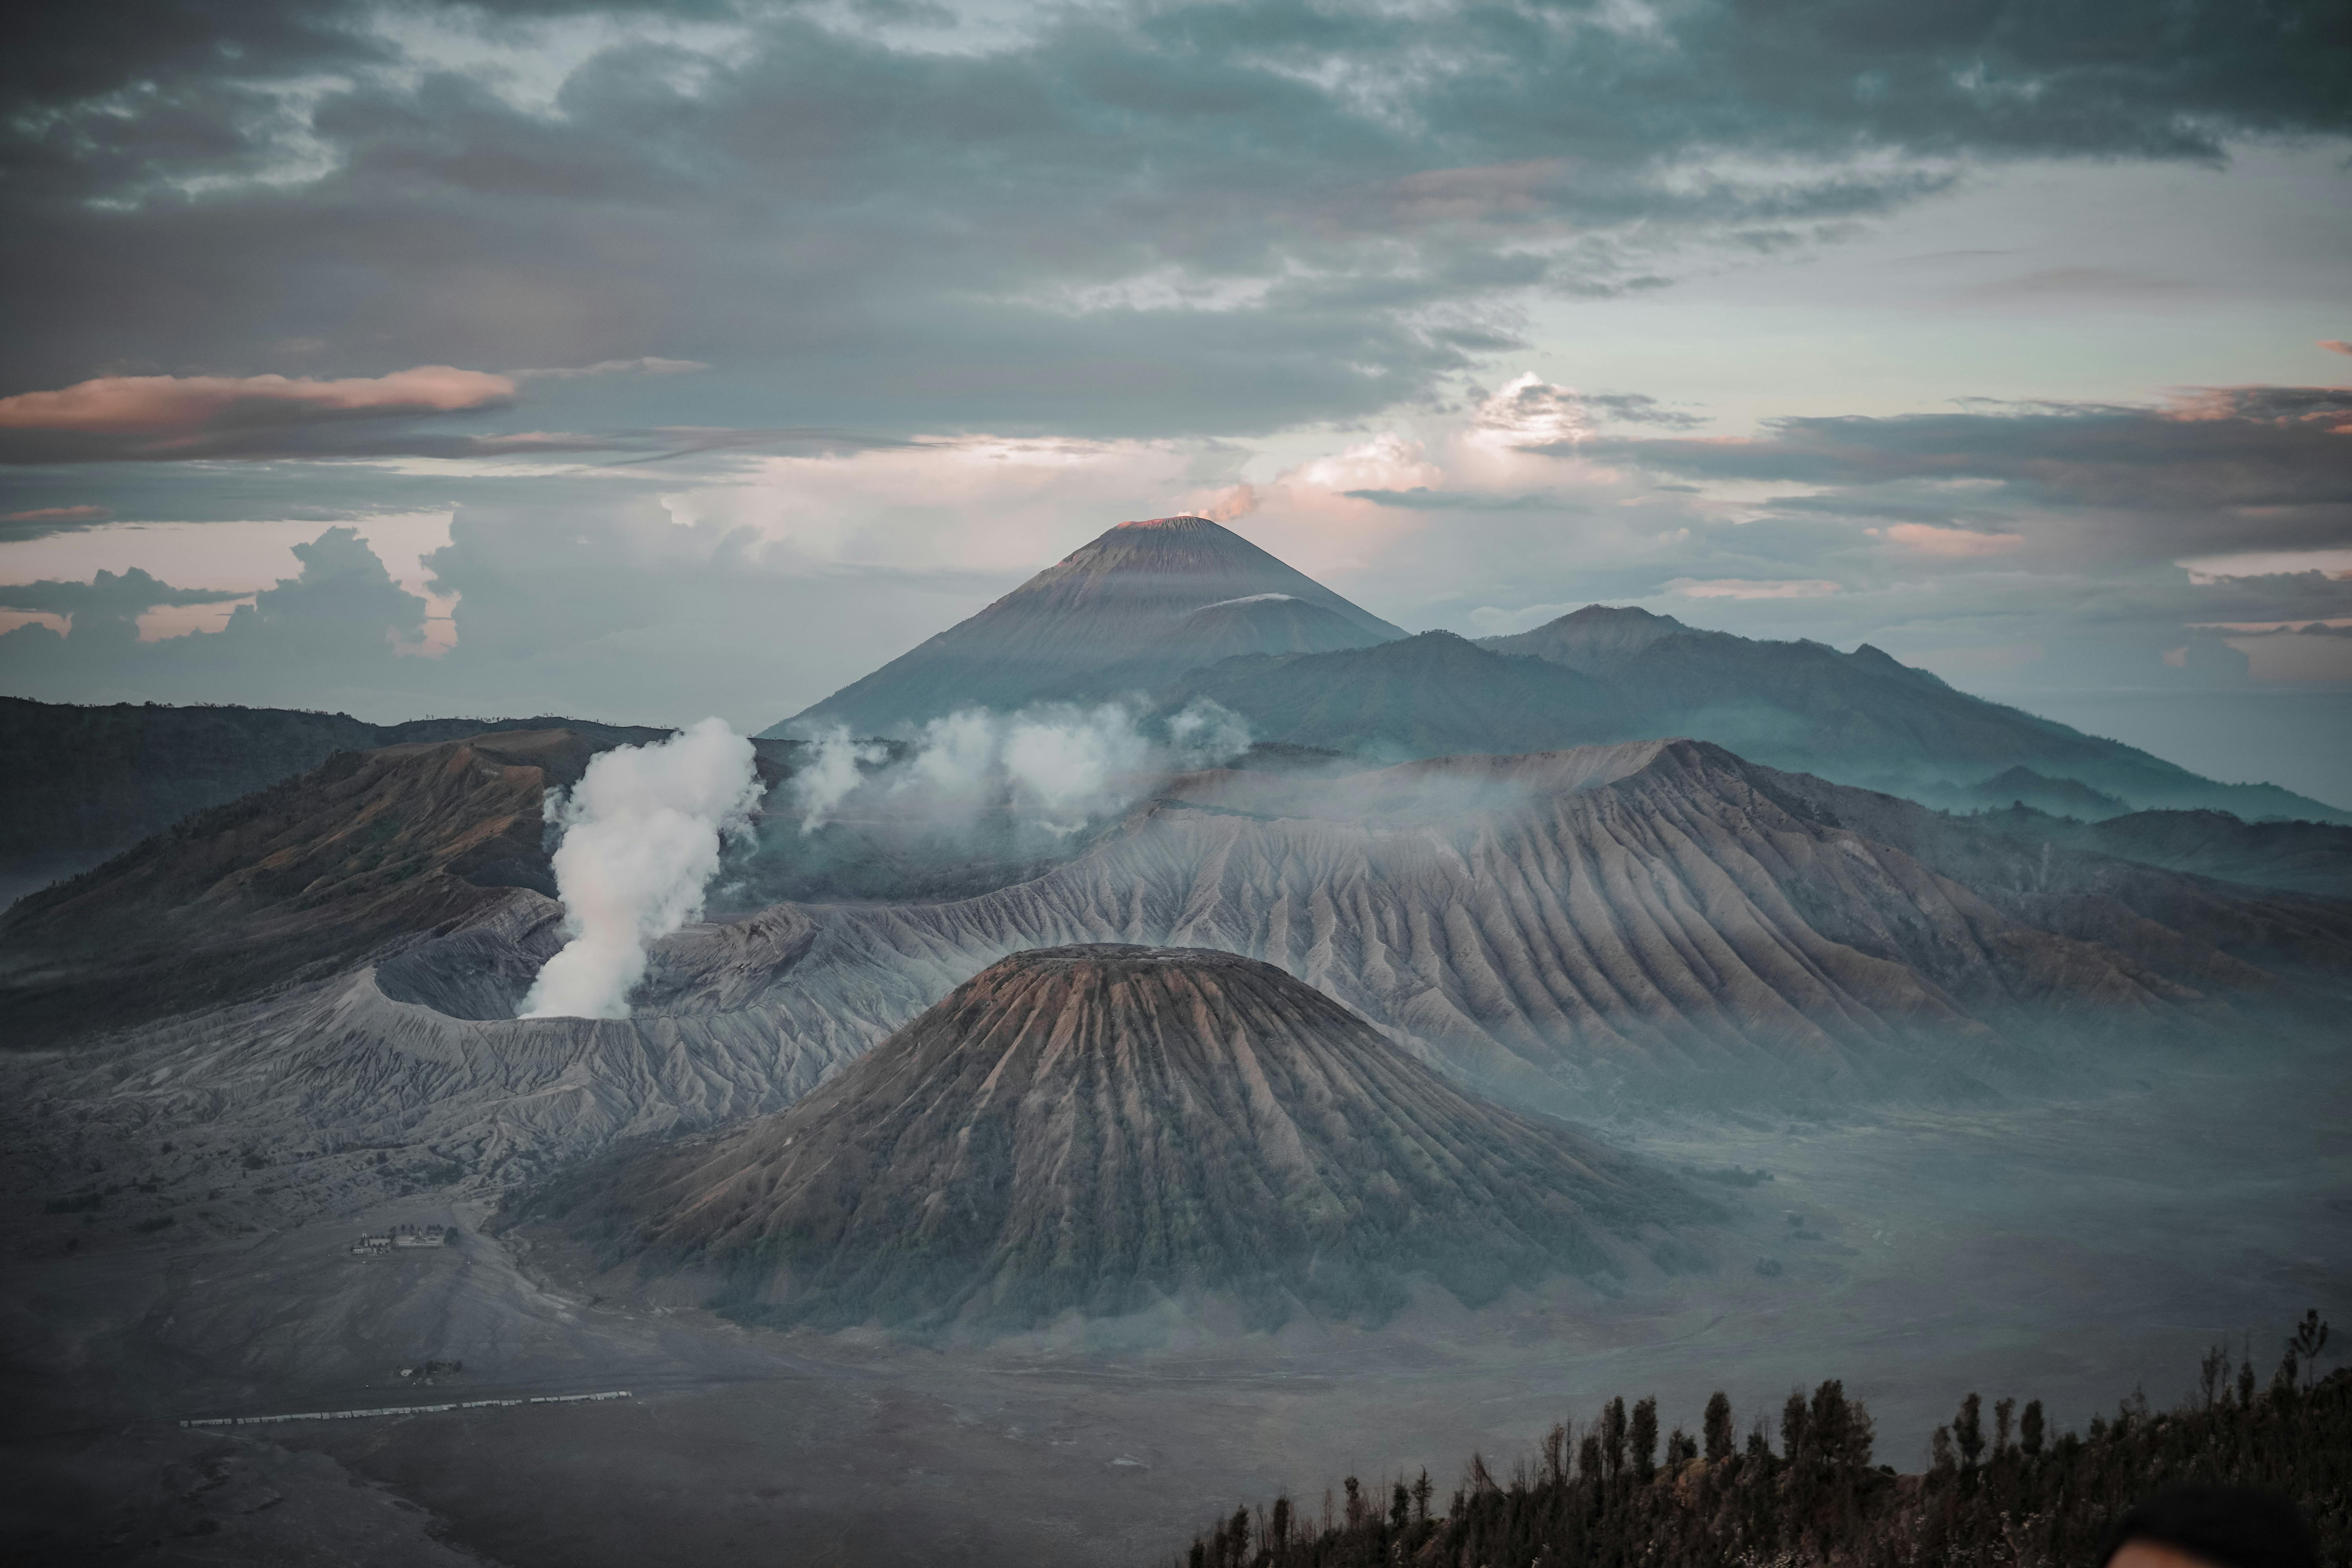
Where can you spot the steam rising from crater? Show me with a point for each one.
(641, 838)
(1054, 766)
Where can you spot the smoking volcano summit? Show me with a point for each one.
(1156, 597)
(1101, 1128)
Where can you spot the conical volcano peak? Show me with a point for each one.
(1185, 521)
(1103, 1128)
(1121, 597)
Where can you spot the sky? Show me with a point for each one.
(645, 363)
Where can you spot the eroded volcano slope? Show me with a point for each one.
(1650, 925)
(1095, 1128)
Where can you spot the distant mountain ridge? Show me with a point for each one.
(82, 783)
(1172, 609)
(1131, 597)
(1862, 717)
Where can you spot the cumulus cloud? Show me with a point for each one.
(642, 833)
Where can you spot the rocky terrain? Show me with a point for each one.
(1093, 1129)
(85, 782)
(1658, 925)
(288, 884)
(1133, 598)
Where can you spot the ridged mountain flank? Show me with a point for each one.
(1096, 1129)
(1127, 594)
(1864, 718)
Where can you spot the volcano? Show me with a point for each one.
(1135, 593)
(1100, 1128)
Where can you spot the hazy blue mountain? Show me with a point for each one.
(1860, 717)
(1430, 695)
(2300, 857)
(1134, 596)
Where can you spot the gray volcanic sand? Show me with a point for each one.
(2067, 1252)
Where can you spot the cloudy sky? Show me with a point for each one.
(640, 362)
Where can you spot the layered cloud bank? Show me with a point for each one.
(642, 833)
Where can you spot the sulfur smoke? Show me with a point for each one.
(830, 775)
(1050, 766)
(641, 840)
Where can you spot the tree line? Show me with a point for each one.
(2001, 1487)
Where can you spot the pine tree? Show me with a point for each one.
(1612, 1435)
(1645, 1438)
(1967, 1431)
(1717, 1426)
(1792, 1424)
(2029, 1430)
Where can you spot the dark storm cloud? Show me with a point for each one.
(2231, 469)
(1168, 219)
(108, 592)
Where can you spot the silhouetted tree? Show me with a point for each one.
(1612, 1435)
(1555, 1454)
(1644, 1434)
(1967, 1431)
(2213, 1375)
(1717, 1426)
(2044, 1501)
(2309, 1340)
(1792, 1424)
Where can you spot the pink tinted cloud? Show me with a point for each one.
(2335, 345)
(1948, 543)
(164, 405)
(59, 514)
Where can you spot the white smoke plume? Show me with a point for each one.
(1207, 735)
(832, 774)
(1052, 766)
(641, 840)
